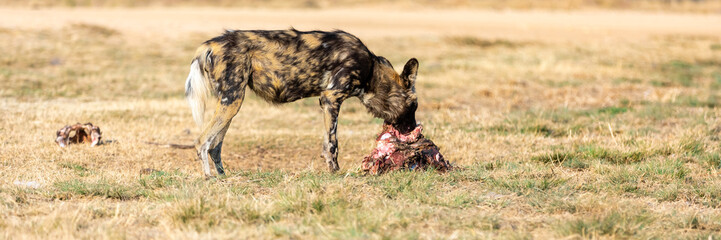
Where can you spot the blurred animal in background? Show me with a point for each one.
(283, 66)
(78, 133)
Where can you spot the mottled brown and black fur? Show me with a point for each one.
(286, 65)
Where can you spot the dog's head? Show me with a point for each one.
(391, 96)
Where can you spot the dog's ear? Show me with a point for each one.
(410, 71)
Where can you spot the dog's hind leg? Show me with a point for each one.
(210, 142)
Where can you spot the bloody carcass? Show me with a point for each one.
(398, 151)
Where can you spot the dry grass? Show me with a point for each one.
(607, 139)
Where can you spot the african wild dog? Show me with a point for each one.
(286, 65)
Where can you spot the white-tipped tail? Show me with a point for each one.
(196, 92)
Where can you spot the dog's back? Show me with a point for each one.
(285, 65)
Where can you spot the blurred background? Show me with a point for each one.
(705, 6)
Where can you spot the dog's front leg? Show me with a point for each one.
(330, 105)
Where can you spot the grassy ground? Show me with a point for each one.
(609, 139)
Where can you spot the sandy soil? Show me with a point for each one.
(517, 25)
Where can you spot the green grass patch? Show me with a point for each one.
(691, 146)
(542, 130)
(202, 214)
(473, 173)
(621, 179)
(79, 169)
(712, 101)
(612, 111)
(716, 80)
(614, 156)
(655, 112)
(707, 193)
(160, 179)
(265, 178)
(664, 171)
(577, 157)
(195, 210)
(554, 202)
(672, 180)
(678, 72)
(104, 189)
(617, 224)
(522, 185)
(417, 186)
(575, 163)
